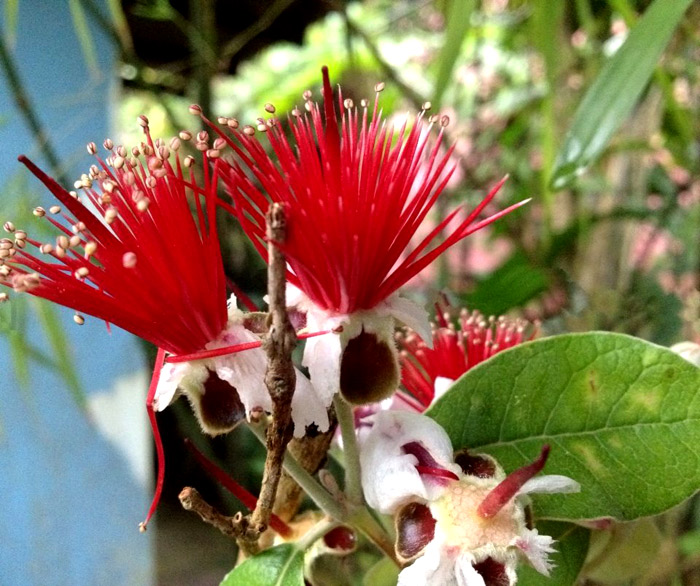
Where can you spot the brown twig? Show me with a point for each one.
(280, 377)
(311, 452)
(234, 527)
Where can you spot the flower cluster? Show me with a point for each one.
(460, 520)
(138, 248)
(356, 191)
(428, 368)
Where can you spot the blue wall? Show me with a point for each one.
(74, 485)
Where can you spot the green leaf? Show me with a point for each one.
(278, 566)
(624, 552)
(82, 31)
(383, 573)
(511, 285)
(11, 14)
(571, 549)
(458, 19)
(621, 415)
(614, 93)
(60, 345)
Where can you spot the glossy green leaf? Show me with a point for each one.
(614, 93)
(278, 566)
(458, 20)
(571, 548)
(621, 415)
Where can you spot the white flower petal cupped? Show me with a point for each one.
(460, 519)
(224, 390)
(358, 358)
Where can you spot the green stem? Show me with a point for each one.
(323, 499)
(363, 520)
(353, 477)
(358, 517)
(316, 532)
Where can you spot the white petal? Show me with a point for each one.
(434, 568)
(442, 383)
(322, 358)
(389, 475)
(174, 375)
(410, 314)
(688, 350)
(232, 302)
(294, 297)
(245, 371)
(537, 549)
(307, 407)
(549, 484)
(466, 574)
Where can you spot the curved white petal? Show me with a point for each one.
(442, 383)
(307, 407)
(295, 297)
(549, 484)
(434, 568)
(245, 371)
(174, 375)
(466, 574)
(389, 475)
(536, 549)
(322, 358)
(688, 350)
(410, 314)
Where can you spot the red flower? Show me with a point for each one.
(355, 193)
(142, 261)
(139, 260)
(354, 197)
(427, 370)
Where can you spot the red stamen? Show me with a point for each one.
(455, 350)
(508, 488)
(426, 463)
(214, 352)
(438, 472)
(223, 351)
(335, 171)
(156, 437)
(237, 490)
(154, 269)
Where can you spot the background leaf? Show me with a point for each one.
(84, 34)
(458, 19)
(622, 417)
(511, 285)
(571, 549)
(278, 566)
(60, 347)
(383, 573)
(612, 96)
